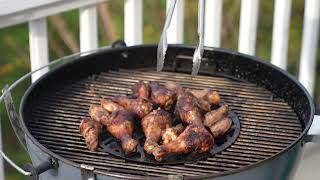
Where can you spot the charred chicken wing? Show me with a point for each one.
(179, 90)
(214, 116)
(193, 138)
(221, 127)
(162, 96)
(172, 133)
(175, 87)
(90, 131)
(140, 107)
(98, 114)
(121, 126)
(188, 110)
(141, 89)
(152, 125)
(204, 105)
(110, 106)
(209, 95)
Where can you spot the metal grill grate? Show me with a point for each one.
(268, 124)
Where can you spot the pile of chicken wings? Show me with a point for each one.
(155, 107)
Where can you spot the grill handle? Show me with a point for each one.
(119, 44)
(314, 132)
(13, 115)
(5, 94)
(29, 170)
(43, 167)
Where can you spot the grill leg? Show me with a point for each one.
(87, 172)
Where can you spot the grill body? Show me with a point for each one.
(274, 109)
(277, 168)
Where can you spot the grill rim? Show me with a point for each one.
(75, 59)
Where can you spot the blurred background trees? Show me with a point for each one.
(63, 32)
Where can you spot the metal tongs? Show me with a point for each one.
(163, 44)
(197, 56)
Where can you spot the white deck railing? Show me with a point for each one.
(248, 26)
(35, 12)
(281, 26)
(310, 36)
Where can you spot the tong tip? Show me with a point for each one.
(160, 60)
(195, 68)
(161, 52)
(159, 66)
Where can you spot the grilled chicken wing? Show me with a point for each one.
(179, 90)
(98, 114)
(221, 127)
(141, 89)
(193, 138)
(162, 96)
(139, 106)
(120, 123)
(175, 87)
(90, 131)
(172, 133)
(121, 126)
(110, 106)
(153, 124)
(188, 110)
(209, 95)
(204, 105)
(214, 116)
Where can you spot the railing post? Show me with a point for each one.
(88, 28)
(38, 44)
(248, 26)
(175, 31)
(280, 33)
(310, 37)
(133, 22)
(213, 17)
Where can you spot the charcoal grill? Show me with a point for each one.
(274, 109)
